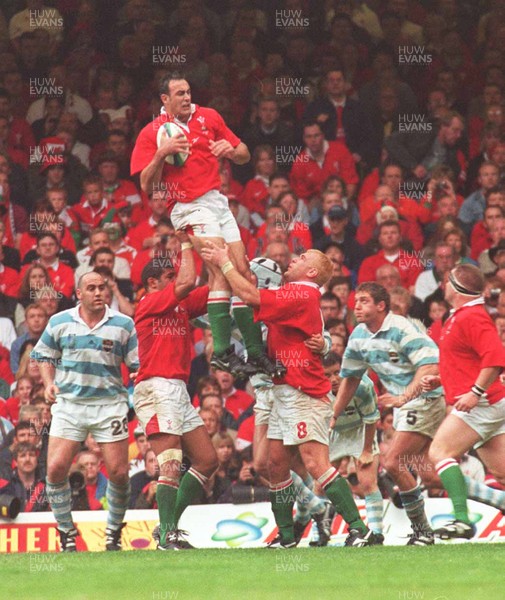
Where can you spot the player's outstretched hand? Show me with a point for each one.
(465, 402)
(215, 255)
(366, 458)
(315, 343)
(50, 393)
(429, 382)
(221, 149)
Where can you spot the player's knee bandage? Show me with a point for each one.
(168, 456)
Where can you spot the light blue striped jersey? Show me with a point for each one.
(88, 361)
(361, 409)
(394, 352)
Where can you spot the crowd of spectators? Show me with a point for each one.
(377, 135)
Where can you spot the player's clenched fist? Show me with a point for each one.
(50, 393)
(429, 382)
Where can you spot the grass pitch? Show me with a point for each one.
(442, 572)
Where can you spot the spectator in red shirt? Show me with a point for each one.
(95, 481)
(21, 136)
(318, 161)
(255, 194)
(14, 217)
(22, 397)
(9, 278)
(116, 190)
(143, 236)
(481, 236)
(392, 253)
(61, 275)
(93, 210)
(235, 401)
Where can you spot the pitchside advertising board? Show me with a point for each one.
(225, 526)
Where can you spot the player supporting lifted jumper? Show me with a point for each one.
(80, 354)
(202, 210)
(161, 400)
(301, 412)
(354, 436)
(308, 505)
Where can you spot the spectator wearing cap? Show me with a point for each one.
(497, 256)
(391, 252)
(319, 160)
(343, 234)
(343, 118)
(52, 166)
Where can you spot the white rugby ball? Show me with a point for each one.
(168, 130)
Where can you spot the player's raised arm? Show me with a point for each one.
(186, 277)
(240, 286)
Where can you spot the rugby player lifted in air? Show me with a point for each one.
(202, 210)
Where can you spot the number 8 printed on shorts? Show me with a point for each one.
(301, 429)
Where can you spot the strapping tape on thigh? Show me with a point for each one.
(169, 455)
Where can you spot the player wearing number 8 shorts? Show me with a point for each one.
(301, 409)
(400, 355)
(80, 354)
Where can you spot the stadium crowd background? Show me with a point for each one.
(377, 135)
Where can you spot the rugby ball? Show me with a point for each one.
(267, 271)
(168, 130)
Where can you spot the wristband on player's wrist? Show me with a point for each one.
(477, 390)
(186, 246)
(228, 266)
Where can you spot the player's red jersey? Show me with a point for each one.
(163, 332)
(468, 343)
(307, 176)
(292, 315)
(200, 173)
